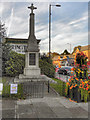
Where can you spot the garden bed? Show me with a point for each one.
(74, 94)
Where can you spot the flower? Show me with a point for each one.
(80, 69)
(72, 69)
(86, 81)
(67, 83)
(86, 88)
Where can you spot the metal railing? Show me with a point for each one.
(33, 89)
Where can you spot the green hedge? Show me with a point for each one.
(6, 92)
(60, 87)
(47, 68)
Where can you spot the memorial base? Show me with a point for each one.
(31, 71)
(23, 78)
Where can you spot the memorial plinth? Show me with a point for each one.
(32, 64)
(31, 70)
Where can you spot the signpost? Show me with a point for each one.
(1, 88)
(13, 89)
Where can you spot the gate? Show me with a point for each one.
(33, 89)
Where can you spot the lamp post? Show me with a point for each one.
(50, 27)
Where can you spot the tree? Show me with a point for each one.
(6, 49)
(46, 66)
(79, 47)
(65, 52)
(2, 30)
(15, 64)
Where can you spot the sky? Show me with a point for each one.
(69, 23)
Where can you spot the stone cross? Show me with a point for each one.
(32, 8)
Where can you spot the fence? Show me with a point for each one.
(25, 90)
(33, 89)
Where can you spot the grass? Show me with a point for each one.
(59, 87)
(6, 90)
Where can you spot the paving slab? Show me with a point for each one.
(8, 104)
(8, 113)
(28, 116)
(53, 102)
(0, 105)
(44, 111)
(23, 102)
(0, 114)
(61, 112)
(84, 106)
(67, 103)
(78, 112)
(8, 108)
(24, 109)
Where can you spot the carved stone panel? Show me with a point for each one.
(32, 59)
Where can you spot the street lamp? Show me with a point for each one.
(50, 27)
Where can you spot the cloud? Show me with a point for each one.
(1, 8)
(45, 1)
(10, 22)
(63, 29)
(75, 34)
(84, 18)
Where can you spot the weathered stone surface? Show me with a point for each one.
(23, 78)
(32, 71)
(32, 41)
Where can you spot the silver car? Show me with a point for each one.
(69, 70)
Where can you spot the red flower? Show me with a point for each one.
(86, 88)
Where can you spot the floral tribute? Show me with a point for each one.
(80, 79)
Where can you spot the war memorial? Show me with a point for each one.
(38, 103)
(31, 70)
(32, 81)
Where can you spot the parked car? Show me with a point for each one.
(69, 70)
(66, 70)
(62, 71)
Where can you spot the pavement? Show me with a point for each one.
(50, 106)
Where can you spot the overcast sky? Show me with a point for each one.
(69, 23)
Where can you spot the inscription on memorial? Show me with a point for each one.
(32, 59)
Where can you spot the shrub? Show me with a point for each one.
(6, 92)
(15, 64)
(46, 67)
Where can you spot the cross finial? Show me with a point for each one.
(32, 8)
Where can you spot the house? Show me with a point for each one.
(84, 49)
(56, 60)
(18, 45)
